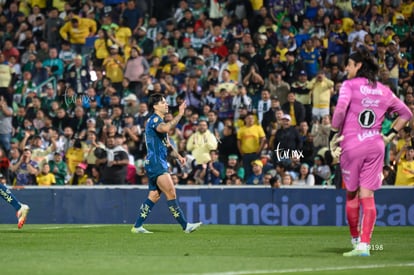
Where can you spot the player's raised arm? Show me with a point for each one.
(167, 126)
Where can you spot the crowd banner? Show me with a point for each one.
(241, 205)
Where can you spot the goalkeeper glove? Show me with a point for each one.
(334, 140)
(389, 136)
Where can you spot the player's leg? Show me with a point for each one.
(369, 216)
(166, 185)
(350, 168)
(352, 215)
(370, 180)
(22, 209)
(350, 174)
(146, 206)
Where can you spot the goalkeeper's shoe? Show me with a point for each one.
(140, 230)
(191, 227)
(357, 252)
(22, 215)
(355, 242)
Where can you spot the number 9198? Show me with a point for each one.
(376, 247)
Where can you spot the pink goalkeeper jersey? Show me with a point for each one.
(361, 109)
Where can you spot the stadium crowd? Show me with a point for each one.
(260, 79)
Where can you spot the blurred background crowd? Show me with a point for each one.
(260, 79)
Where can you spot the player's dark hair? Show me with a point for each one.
(153, 100)
(369, 68)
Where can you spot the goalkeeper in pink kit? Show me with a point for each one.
(356, 139)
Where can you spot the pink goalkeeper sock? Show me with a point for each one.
(369, 216)
(352, 214)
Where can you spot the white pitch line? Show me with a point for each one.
(310, 269)
(69, 227)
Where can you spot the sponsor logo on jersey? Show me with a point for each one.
(369, 102)
(367, 134)
(368, 91)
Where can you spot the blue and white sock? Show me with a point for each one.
(144, 211)
(177, 213)
(8, 196)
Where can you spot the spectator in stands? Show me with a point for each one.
(101, 47)
(287, 138)
(305, 177)
(134, 16)
(39, 151)
(311, 58)
(39, 120)
(295, 109)
(5, 124)
(6, 75)
(287, 179)
(302, 92)
(142, 115)
(131, 133)
(321, 171)
(263, 105)
(89, 146)
(114, 65)
(135, 67)
(277, 87)
(256, 178)
(78, 75)
(45, 177)
(215, 125)
(58, 168)
(122, 34)
(79, 177)
(269, 118)
(212, 171)
(201, 142)
(190, 126)
(146, 44)
(337, 43)
(61, 121)
(223, 105)
(39, 73)
(321, 88)
(47, 97)
(78, 122)
(234, 163)
(389, 175)
(131, 105)
(251, 140)
(219, 48)
(25, 169)
(76, 30)
(241, 99)
(29, 57)
(113, 167)
(293, 68)
(10, 50)
(254, 84)
(55, 66)
(52, 25)
(320, 132)
(392, 61)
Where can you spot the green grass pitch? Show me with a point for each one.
(212, 250)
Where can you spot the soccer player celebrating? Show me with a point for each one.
(362, 105)
(156, 166)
